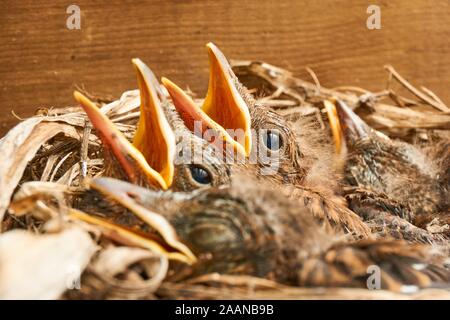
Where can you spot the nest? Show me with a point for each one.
(51, 253)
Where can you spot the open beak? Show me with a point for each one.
(223, 109)
(198, 121)
(130, 196)
(150, 158)
(335, 125)
(131, 160)
(154, 137)
(153, 149)
(345, 124)
(224, 103)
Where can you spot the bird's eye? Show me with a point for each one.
(272, 140)
(200, 175)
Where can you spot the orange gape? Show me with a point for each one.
(150, 159)
(154, 136)
(223, 103)
(223, 109)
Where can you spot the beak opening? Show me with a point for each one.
(129, 237)
(345, 124)
(154, 137)
(335, 125)
(224, 103)
(197, 121)
(129, 157)
(130, 196)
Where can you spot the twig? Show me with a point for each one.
(414, 91)
(350, 88)
(84, 150)
(393, 95)
(98, 99)
(389, 81)
(55, 171)
(315, 79)
(274, 95)
(236, 280)
(56, 148)
(402, 100)
(279, 77)
(433, 95)
(278, 103)
(128, 116)
(16, 116)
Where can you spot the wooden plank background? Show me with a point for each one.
(41, 61)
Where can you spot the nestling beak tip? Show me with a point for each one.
(80, 98)
(335, 125)
(88, 106)
(179, 97)
(136, 61)
(166, 82)
(76, 94)
(217, 57)
(211, 46)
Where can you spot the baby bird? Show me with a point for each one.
(243, 229)
(228, 105)
(389, 175)
(164, 153)
(270, 143)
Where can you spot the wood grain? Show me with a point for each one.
(41, 61)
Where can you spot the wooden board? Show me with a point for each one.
(41, 61)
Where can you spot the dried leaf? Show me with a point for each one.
(382, 116)
(396, 117)
(32, 192)
(19, 146)
(118, 271)
(42, 266)
(129, 100)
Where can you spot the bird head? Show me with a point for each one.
(233, 229)
(243, 229)
(164, 153)
(224, 111)
(261, 134)
(378, 163)
(149, 159)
